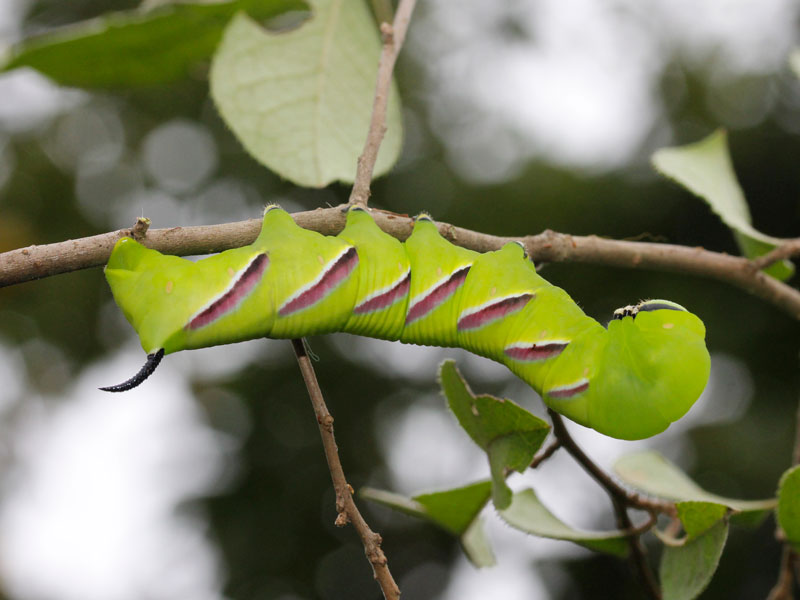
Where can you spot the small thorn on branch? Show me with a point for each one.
(387, 33)
(140, 228)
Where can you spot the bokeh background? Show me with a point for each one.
(209, 482)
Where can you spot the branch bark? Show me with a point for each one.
(347, 511)
(33, 262)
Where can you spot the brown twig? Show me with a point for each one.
(784, 587)
(627, 497)
(347, 511)
(139, 230)
(786, 250)
(33, 262)
(621, 500)
(545, 454)
(652, 519)
(392, 36)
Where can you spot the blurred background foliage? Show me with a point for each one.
(253, 498)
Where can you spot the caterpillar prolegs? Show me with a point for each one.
(628, 381)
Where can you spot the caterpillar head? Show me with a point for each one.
(655, 367)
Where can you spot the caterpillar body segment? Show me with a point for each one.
(315, 291)
(439, 271)
(629, 381)
(384, 279)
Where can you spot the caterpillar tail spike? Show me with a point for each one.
(630, 380)
(147, 369)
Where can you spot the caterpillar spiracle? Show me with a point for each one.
(629, 380)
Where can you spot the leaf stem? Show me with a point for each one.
(347, 511)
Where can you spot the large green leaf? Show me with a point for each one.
(686, 570)
(137, 48)
(455, 511)
(653, 474)
(789, 506)
(510, 435)
(528, 514)
(705, 169)
(300, 101)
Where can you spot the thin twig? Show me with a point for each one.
(621, 499)
(638, 554)
(34, 262)
(545, 454)
(796, 452)
(784, 587)
(347, 511)
(393, 36)
(627, 497)
(786, 250)
(652, 519)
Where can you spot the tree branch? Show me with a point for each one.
(345, 505)
(393, 37)
(33, 262)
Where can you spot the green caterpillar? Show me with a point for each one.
(629, 381)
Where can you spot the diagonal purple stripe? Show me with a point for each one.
(336, 273)
(438, 295)
(230, 300)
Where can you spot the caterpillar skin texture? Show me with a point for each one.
(628, 381)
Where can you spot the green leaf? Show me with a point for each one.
(476, 545)
(395, 501)
(655, 475)
(528, 514)
(137, 48)
(300, 101)
(705, 169)
(456, 511)
(510, 435)
(789, 506)
(698, 517)
(686, 570)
